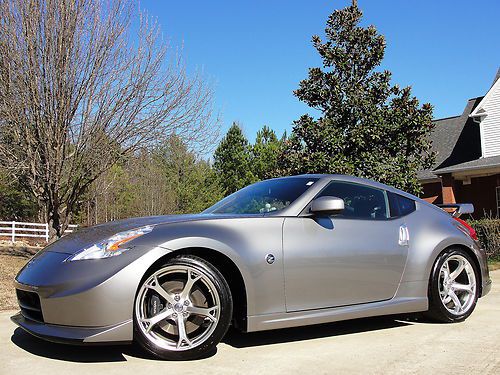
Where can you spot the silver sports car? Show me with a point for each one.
(279, 253)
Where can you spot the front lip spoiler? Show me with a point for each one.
(65, 334)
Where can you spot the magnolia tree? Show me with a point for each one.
(83, 84)
(367, 126)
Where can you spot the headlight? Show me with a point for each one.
(111, 246)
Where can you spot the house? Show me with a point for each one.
(467, 166)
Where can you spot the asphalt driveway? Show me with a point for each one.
(370, 346)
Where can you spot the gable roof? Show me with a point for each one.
(455, 140)
(479, 110)
(497, 76)
(444, 136)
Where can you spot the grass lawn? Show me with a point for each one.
(494, 265)
(12, 259)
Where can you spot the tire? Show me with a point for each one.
(449, 301)
(173, 322)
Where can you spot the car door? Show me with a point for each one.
(354, 257)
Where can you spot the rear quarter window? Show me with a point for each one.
(400, 206)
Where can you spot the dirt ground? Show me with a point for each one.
(12, 259)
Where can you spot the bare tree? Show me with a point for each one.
(83, 84)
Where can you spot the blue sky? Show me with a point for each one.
(257, 51)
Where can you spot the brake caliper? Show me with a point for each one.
(155, 305)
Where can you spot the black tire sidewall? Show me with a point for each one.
(226, 307)
(437, 309)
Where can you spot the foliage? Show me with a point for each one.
(84, 84)
(110, 196)
(367, 127)
(16, 203)
(265, 154)
(232, 161)
(488, 231)
(105, 130)
(191, 180)
(167, 180)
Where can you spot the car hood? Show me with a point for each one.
(85, 237)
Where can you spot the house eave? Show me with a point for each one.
(470, 171)
(429, 180)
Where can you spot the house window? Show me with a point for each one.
(498, 201)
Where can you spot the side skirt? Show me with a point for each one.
(308, 317)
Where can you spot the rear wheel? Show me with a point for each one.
(453, 287)
(182, 310)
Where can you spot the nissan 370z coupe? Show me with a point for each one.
(279, 253)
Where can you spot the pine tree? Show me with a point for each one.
(368, 127)
(16, 202)
(265, 154)
(232, 161)
(190, 180)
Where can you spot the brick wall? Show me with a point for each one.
(481, 192)
(432, 192)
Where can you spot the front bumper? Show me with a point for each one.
(83, 301)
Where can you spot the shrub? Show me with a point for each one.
(488, 231)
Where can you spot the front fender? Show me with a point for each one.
(214, 245)
(246, 242)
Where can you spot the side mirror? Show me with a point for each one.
(327, 205)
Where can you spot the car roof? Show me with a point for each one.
(353, 179)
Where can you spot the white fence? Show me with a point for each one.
(15, 229)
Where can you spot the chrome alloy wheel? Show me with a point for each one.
(177, 308)
(457, 284)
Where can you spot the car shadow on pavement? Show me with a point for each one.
(233, 338)
(75, 353)
(237, 339)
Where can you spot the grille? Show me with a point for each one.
(29, 302)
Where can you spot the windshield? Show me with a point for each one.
(263, 197)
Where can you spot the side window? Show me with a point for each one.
(400, 206)
(361, 201)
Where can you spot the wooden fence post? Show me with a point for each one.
(47, 232)
(13, 232)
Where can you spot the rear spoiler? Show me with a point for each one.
(459, 208)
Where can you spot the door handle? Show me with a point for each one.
(404, 235)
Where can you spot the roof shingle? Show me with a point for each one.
(455, 140)
(492, 161)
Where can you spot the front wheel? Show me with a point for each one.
(453, 287)
(182, 309)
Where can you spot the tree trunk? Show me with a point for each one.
(58, 222)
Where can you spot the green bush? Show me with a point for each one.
(488, 231)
